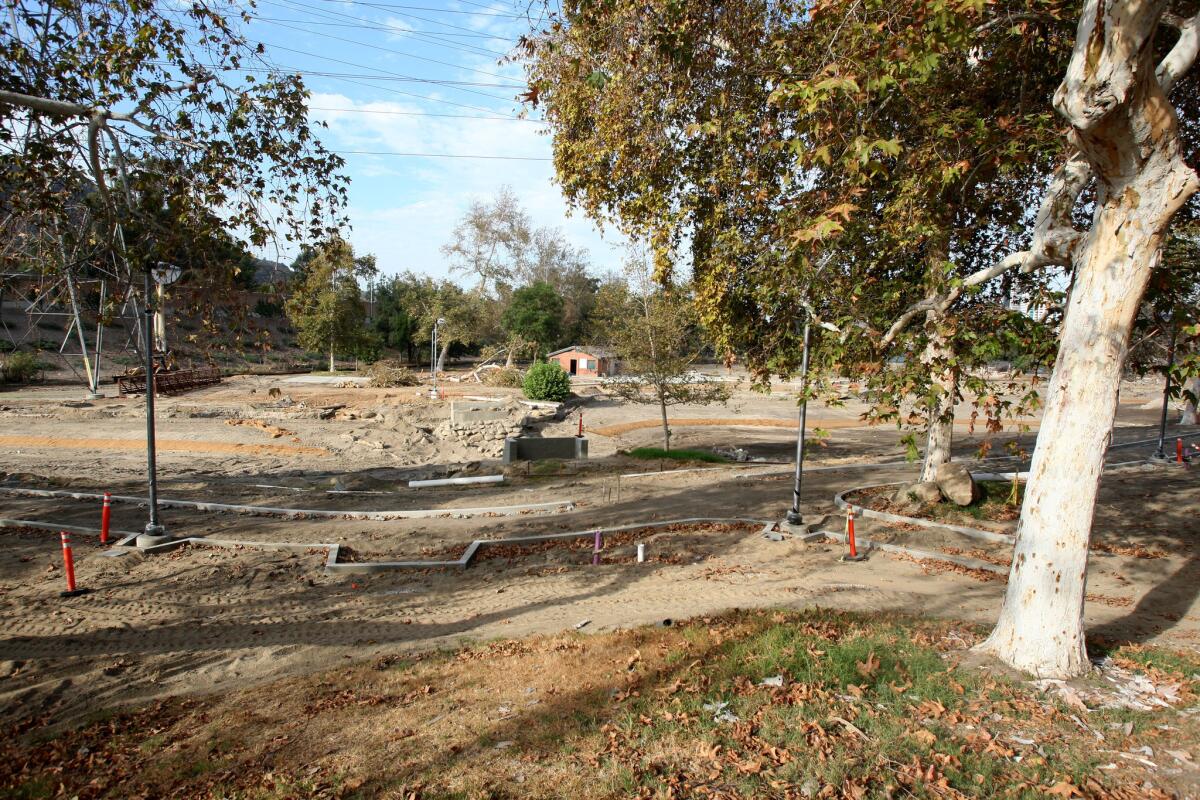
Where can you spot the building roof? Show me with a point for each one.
(598, 352)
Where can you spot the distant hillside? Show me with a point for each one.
(271, 272)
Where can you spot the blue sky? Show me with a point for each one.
(422, 78)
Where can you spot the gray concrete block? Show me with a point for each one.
(462, 411)
(534, 449)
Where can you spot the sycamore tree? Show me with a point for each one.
(1122, 173)
(835, 161)
(327, 306)
(655, 334)
(127, 125)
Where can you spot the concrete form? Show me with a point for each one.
(534, 449)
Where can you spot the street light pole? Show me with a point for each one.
(162, 275)
(433, 356)
(793, 515)
(154, 529)
(1161, 454)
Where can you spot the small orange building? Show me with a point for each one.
(588, 362)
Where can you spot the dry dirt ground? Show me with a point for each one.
(203, 619)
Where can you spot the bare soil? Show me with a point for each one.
(205, 620)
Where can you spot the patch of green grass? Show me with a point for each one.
(678, 455)
(995, 502)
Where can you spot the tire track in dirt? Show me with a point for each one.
(181, 445)
(754, 422)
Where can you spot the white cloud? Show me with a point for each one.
(404, 208)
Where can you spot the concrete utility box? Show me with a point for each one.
(478, 411)
(532, 449)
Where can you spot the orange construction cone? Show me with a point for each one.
(853, 555)
(69, 567)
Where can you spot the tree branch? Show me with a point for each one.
(1054, 238)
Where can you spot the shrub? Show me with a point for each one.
(20, 368)
(546, 381)
(510, 377)
(267, 308)
(388, 373)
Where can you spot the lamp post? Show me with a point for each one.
(162, 274)
(1161, 454)
(794, 516)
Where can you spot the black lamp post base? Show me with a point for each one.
(794, 518)
(154, 535)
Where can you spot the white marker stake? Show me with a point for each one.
(641, 552)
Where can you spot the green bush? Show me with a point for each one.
(20, 368)
(547, 381)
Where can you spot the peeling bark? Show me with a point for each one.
(940, 423)
(441, 362)
(1189, 406)
(1124, 126)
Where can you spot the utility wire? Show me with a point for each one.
(438, 155)
(421, 114)
(459, 46)
(387, 75)
(381, 48)
(427, 8)
(385, 7)
(365, 27)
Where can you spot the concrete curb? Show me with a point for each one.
(924, 555)
(27, 523)
(333, 551)
(298, 513)
(975, 533)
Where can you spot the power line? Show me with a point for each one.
(383, 49)
(459, 46)
(427, 8)
(438, 155)
(421, 114)
(410, 94)
(365, 27)
(345, 77)
(385, 7)
(387, 75)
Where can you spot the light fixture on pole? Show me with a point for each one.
(794, 517)
(162, 274)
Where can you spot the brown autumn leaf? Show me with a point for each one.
(1064, 789)
(925, 737)
(870, 666)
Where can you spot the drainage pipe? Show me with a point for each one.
(456, 481)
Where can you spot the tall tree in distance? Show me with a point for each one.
(490, 241)
(327, 307)
(534, 314)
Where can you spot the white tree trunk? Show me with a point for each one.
(1189, 406)
(1124, 125)
(332, 367)
(441, 362)
(665, 426)
(940, 439)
